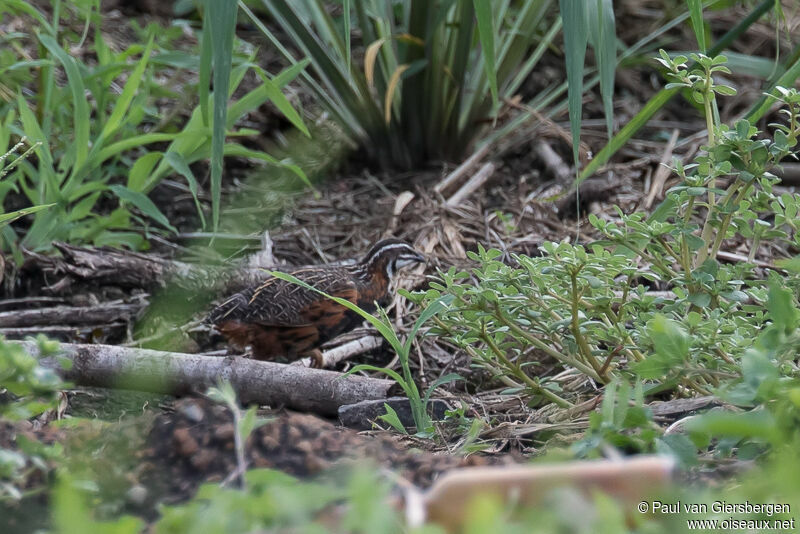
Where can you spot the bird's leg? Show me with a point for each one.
(317, 362)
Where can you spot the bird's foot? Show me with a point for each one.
(317, 361)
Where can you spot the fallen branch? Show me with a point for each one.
(347, 350)
(474, 183)
(121, 268)
(275, 384)
(72, 315)
(662, 172)
(461, 171)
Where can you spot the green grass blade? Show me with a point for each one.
(235, 149)
(606, 48)
(204, 75)
(627, 131)
(81, 113)
(177, 162)
(446, 379)
(346, 19)
(435, 307)
(124, 101)
(141, 170)
(6, 218)
(573, 16)
(483, 14)
(281, 102)
(222, 15)
(696, 14)
(394, 375)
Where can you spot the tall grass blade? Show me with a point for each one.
(128, 93)
(696, 14)
(606, 49)
(81, 114)
(222, 15)
(573, 15)
(483, 14)
(141, 201)
(394, 81)
(281, 102)
(347, 46)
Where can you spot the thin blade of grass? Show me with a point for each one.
(347, 46)
(435, 307)
(388, 98)
(204, 76)
(80, 112)
(573, 15)
(124, 101)
(6, 218)
(483, 14)
(446, 379)
(696, 14)
(177, 162)
(222, 15)
(606, 48)
(281, 102)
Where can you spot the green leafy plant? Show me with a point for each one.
(432, 72)
(27, 389)
(419, 402)
(90, 149)
(7, 218)
(589, 308)
(243, 423)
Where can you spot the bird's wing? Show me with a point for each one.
(276, 302)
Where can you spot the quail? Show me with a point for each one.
(278, 318)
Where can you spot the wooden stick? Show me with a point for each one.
(71, 315)
(452, 179)
(344, 351)
(662, 172)
(476, 181)
(275, 384)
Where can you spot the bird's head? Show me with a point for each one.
(391, 255)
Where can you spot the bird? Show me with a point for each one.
(279, 318)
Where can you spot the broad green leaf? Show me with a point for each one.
(668, 337)
(143, 203)
(392, 418)
(782, 311)
(141, 169)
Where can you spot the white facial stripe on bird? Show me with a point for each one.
(394, 246)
